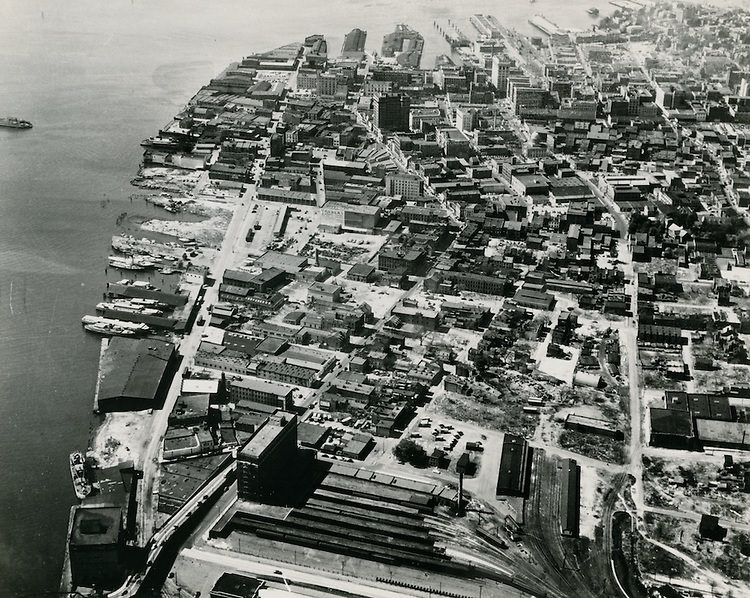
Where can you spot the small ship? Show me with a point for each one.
(14, 123)
(130, 263)
(594, 12)
(81, 484)
(111, 327)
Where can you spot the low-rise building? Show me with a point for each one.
(253, 390)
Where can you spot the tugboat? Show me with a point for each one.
(78, 472)
(14, 123)
(594, 12)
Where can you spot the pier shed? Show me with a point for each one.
(135, 374)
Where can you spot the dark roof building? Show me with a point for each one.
(570, 490)
(709, 528)
(266, 460)
(135, 374)
(233, 585)
(95, 547)
(514, 465)
(671, 428)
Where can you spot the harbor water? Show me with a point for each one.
(95, 78)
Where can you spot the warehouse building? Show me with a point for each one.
(570, 495)
(262, 392)
(591, 425)
(671, 428)
(514, 467)
(135, 374)
(723, 434)
(96, 547)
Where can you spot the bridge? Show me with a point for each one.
(202, 497)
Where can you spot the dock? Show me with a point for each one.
(102, 350)
(486, 25)
(455, 38)
(627, 4)
(66, 579)
(545, 25)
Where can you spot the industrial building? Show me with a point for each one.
(262, 392)
(671, 428)
(723, 434)
(357, 513)
(96, 547)
(233, 585)
(570, 491)
(135, 374)
(408, 186)
(591, 425)
(514, 467)
(391, 112)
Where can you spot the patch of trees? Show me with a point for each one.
(411, 452)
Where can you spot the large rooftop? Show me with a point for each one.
(267, 434)
(133, 368)
(93, 526)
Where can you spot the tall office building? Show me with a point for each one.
(466, 118)
(499, 75)
(268, 459)
(408, 186)
(391, 112)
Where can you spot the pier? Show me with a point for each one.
(456, 38)
(627, 4)
(545, 25)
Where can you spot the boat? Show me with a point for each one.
(160, 143)
(130, 263)
(108, 330)
(81, 484)
(169, 271)
(124, 264)
(110, 327)
(14, 123)
(124, 305)
(145, 302)
(594, 12)
(139, 284)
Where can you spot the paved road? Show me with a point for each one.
(188, 347)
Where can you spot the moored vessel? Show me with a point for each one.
(111, 327)
(130, 263)
(129, 306)
(81, 484)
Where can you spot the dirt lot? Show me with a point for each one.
(348, 248)
(693, 487)
(724, 558)
(498, 409)
(589, 403)
(210, 231)
(726, 375)
(120, 437)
